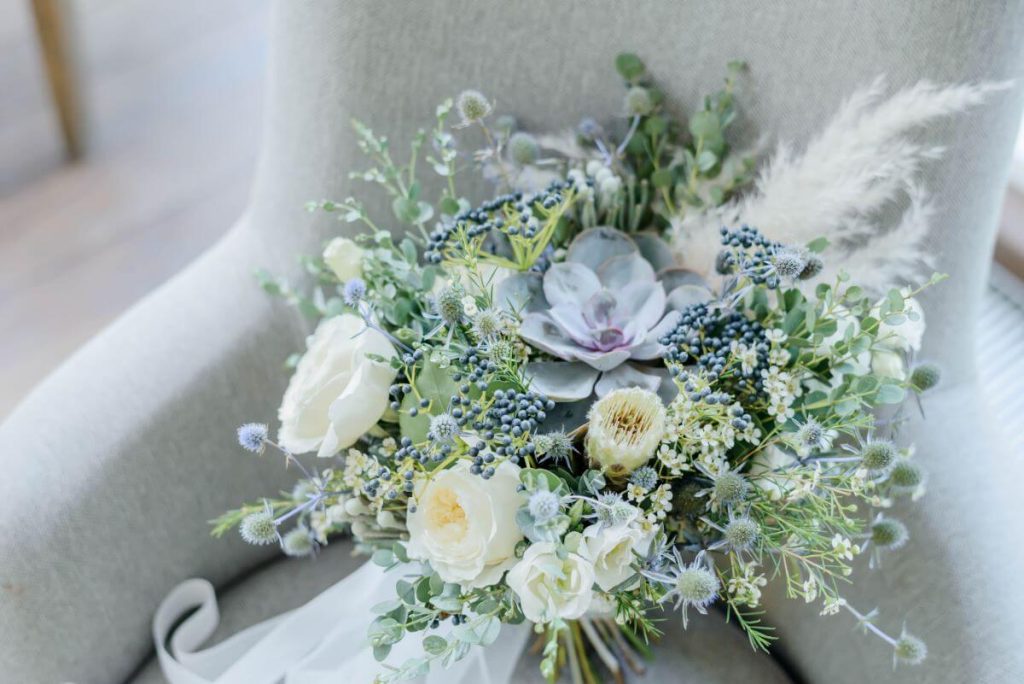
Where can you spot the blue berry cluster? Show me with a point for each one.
(704, 336)
(750, 253)
(490, 216)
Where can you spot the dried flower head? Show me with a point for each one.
(258, 528)
(626, 426)
(253, 437)
(523, 148)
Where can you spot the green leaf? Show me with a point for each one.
(705, 125)
(662, 178)
(383, 558)
(818, 245)
(434, 645)
(890, 394)
(706, 160)
(847, 406)
(449, 206)
(655, 125)
(629, 66)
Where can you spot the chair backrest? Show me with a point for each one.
(549, 64)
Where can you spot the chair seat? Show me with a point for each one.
(709, 652)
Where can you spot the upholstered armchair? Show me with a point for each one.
(113, 465)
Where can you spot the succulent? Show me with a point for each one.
(601, 312)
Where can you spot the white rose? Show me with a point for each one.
(345, 258)
(905, 336)
(888, 364)
(549, 587)
(610, 549)
(337, 392)
(465, 525)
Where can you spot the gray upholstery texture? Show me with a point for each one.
(113, 465)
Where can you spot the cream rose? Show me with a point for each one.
(550, 587)
(767, 471)
(345, 258)
(888, 364)
(337, 392)
(465, 525)
(610, 549)
(905, 336)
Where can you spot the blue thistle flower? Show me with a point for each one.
(354, 291)
(645, 478)
(544, 505)
(253, 437)
(258, 528)
(298, 543)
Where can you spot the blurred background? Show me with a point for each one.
(128, 136)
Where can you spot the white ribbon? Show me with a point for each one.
(312, 644)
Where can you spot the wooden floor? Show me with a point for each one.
(172, 91)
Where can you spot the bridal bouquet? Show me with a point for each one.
(633, 381)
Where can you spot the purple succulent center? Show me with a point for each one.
(599, 315)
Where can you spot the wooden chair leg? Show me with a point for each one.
(57, 47)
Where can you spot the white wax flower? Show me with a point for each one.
(550, 587)
(337, 392)
(464, 525)
(610, 549)
(626, 426)
(345, 258)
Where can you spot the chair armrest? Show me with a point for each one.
(112, 467)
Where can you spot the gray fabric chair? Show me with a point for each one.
(113, 465)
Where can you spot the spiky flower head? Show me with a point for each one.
(626, 426)
(811, 433)
(354, 291)
(304, 490)
(523, 148)
(741, 533)
(297, 543)
(556, 446)
(258, 528)
(909, 650)
(695, 585)
(449, 305)
(730, 488)
(813, 267)
(878, 455)
(789, 262)
(444, 428)
(612, 511)
(639, 101)
(487, 323)
(888, 533)
(472, 106)
(925, 376)
(253, 437)
(544, 505)
(646, 478)
(905, 476)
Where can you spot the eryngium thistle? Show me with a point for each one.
(925, 376)
(354, 290)
(789, 263)
(888, 533)
(638, 101)
(741, 534)
(626, 426)
(556, 446)
(544, 505)
(523, 148)
(472, 106)
(878, 456)
(646, 478)
(258, 528)
(909, 650)
(297, 543)
(696, 585)
(449, 305)
(612, 510)
(486, 324)
(730, 488)
(905, 476)
(812, 268)
(253, 437)
(443, 428)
